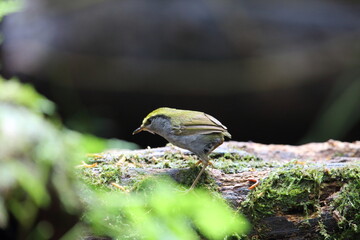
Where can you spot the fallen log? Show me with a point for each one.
(310, 191)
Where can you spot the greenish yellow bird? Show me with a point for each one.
(195, 131)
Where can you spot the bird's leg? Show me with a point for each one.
(205, 163)
(200, 162)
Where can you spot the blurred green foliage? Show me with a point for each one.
(15, 93)
(162, 210)
(8, 6)
(41, 197)
(93, 144)
(25, 95)
(36, 158)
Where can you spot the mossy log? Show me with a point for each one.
(310, 191)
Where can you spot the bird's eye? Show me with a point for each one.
(149, 121)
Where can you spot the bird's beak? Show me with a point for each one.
(139, 129)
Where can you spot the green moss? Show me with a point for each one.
(109, 166)
(285, 191)
(237, 157)
(149, 183)
(300, 190)
(187, 176)
(101, 176)
(230, 163)
(347, 208)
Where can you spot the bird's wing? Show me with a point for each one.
(200, 123)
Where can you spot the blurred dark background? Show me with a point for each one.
(271, 71)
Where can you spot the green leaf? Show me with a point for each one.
(25, 95)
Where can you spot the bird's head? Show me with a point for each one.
(155, 120)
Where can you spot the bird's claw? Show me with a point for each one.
(201, 162)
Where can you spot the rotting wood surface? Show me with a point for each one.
(235, 186)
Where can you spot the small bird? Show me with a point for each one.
(195, 131)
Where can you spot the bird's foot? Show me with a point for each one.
(201, 162)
